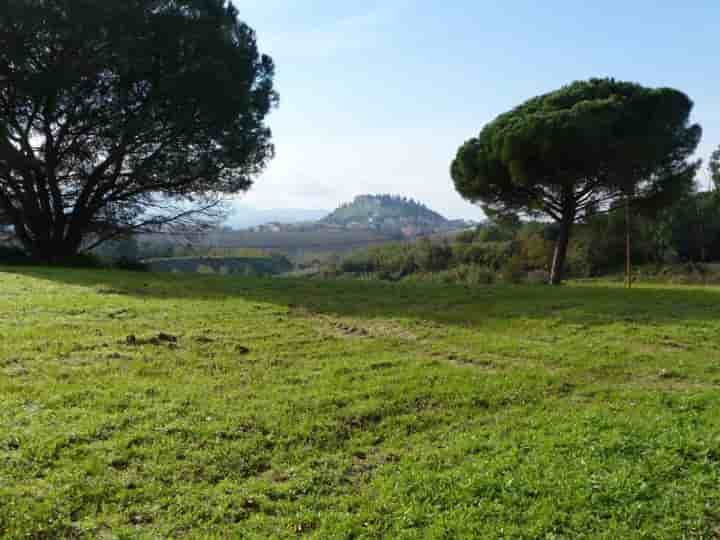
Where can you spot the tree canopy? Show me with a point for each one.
(578, 150)
(125, 115)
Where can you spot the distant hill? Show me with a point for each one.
(377, 210)
(244, 217)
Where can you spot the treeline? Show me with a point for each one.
(235, 244)
(686, 232)
(141, 247)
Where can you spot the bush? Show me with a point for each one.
(80, 260)
(538, 277)
(495, 233)
(514, 270)
(466, 237)
(13, 255)
(131, 265)
(330, 271)
(580, 260)
(535, 249)
(358, 263)
(394, 259)
(488, 254)
(473, 275)
(431, 257)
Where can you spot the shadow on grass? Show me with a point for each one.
(445, 304)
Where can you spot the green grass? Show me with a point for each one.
(167, 406)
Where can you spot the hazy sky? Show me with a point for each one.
(376, 96)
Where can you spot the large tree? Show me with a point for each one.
(584, 148)
(119, 116)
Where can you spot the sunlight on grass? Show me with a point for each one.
(146, 406)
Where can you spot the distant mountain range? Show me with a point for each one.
(243, 217)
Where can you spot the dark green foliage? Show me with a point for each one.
(495, 233)
(16, 256)
(514, 269)
(387, 260)
(246, 266)
(431, 257)
(12, 255)
(358, 263)
(120, 116)
(466, 237)
(395, 261)
(534, 245)
(487, 254)
(78, 260)
(131, 265)
(691, 227)
(689, 230)
(300, 240)
(579, 150)
(714, 167)
(470, 275)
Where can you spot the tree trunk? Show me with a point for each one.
(48, 246)
(558, 266)
(628, 244)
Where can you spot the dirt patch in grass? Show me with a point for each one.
(365, 464)
(158, 339)
(350, 328)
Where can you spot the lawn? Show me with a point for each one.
(166, 406)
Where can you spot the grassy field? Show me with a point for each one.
(167, 406)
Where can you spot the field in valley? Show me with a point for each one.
(185, 406)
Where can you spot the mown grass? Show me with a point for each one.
(166, 406)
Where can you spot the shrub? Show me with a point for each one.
(471, 275)
(474, 275)
(81, 260)
(538, 277)
(496, 233)
(488, 254)
(131, 265)
(514, 270)
(466, 237)
(330, 271)
(13, 255)
(358, 263)
(535, 249)
(431, 257)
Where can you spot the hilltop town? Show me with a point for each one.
(389, 215)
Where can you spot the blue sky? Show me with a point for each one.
(377, 96)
